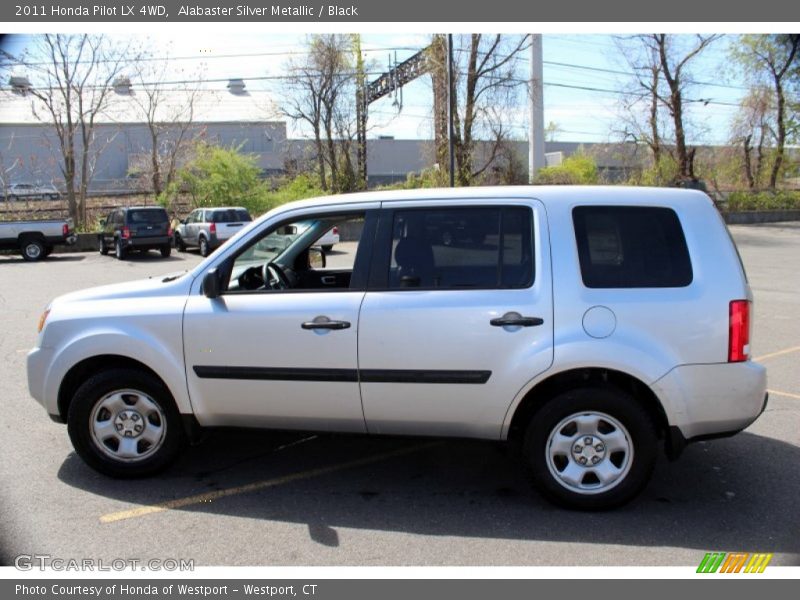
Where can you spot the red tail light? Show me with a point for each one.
(739, 328)
(65, 229)
(125, 232)
(335, 231)
(169, 232)
(212, 229)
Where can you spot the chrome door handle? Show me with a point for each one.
(325, 323)
(516, 320)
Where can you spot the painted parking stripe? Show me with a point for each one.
(787, 394)
(142, 511)
(778, 353)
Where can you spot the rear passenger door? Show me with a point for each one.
(458, 316)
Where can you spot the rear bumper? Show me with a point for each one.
(713, 400)
(140, 243)
(676, 442)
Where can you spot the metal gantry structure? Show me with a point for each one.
(429, 60)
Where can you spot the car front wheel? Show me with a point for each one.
(123, 423)
(591, 448)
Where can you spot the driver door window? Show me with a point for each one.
(290, 256)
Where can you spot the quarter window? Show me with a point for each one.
(631, 247)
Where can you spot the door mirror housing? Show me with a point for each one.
(211, 284)
(287, 230)
(102, 222)
(316, 258)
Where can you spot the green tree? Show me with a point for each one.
(578, 169)
(771, 60)
(218, 176)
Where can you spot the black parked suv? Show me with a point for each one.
(136, 228)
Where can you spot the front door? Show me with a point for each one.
(460, 319)
(278, 348)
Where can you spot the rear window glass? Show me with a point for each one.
(147, 215)
(631, 247)
(231, 215)
(462, 248)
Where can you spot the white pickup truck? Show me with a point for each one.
(36, 239)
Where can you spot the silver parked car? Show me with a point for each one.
(32, 191)
(209, 228)
(590, 327)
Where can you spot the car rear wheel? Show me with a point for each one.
(103, 247)
(327, 248)
(204, 247)
(166, 251)
(119, 251)
(123, 423)
(591, 448)
(33, 250)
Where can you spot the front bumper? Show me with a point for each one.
(38, 361)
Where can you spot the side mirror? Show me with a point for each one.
(288, 230)
(211, 284)
(102, 222)
(316, 258)
(183, 221)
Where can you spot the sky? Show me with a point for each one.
(571, 62)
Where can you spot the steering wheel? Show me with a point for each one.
(277, 277)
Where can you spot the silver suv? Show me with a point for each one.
(208, 228)
(589, 327)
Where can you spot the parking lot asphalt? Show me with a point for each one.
(262, 498)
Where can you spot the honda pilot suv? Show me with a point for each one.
(591, 327)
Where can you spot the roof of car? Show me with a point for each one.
(548, 194)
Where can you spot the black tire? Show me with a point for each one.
(32, 249)
(166, 251)
(82, 417)
(205, 248)
(103, 247)
(327, 248)
(119, 251)
(179, 244)
(603, 401)
(48, 250)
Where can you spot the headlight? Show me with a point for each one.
(43, 319)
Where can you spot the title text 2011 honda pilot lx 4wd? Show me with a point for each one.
(591, 325)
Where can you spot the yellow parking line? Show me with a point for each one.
(253, 487)
(787, 394)
(778, 353)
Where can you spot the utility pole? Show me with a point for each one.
(450, 108)
(361, 114)
(536, 159)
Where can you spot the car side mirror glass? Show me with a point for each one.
(288, 230)
(316, 258)
(211, 284)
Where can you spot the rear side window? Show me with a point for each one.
(230, 215)
(148, 215)
(462, 248)
(631, 247)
